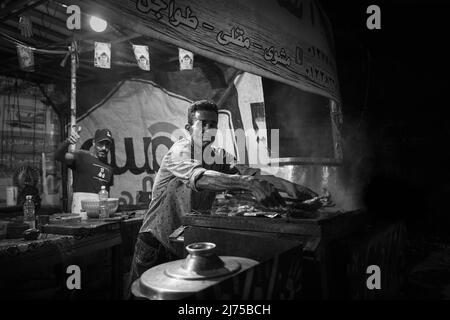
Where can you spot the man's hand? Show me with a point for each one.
(61, 153)
(264, 192)
(297, 191)
(74, 136)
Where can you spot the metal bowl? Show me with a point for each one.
(92, 208)
(202, 257)
(202, 262)
(113, 204)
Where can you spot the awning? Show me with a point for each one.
(287, 41)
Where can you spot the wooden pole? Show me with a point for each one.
(73, 113)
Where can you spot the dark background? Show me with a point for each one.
(298, 114)
(394, 85)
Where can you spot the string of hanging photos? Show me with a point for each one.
(102, 59)
(102, 54)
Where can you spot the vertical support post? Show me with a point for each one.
(73, 113)
(336, 124)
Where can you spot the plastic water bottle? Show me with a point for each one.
(28, 212)
(103, 201)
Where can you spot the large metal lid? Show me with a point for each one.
(178, 279)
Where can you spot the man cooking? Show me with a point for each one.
(185, 182)
(90, 168)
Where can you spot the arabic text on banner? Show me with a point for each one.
(287, 41)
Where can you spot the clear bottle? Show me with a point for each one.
(103, 202)
(28, 212)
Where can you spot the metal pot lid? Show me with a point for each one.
(201, 263)
(178, 279)
(177, 271)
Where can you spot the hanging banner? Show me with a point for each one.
(285, 40)
(186, 59)
(142, 57)
(142, 117)
(102, 55)
(26, 58)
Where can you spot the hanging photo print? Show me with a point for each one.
(102, 57)
(142, 57)
(26, 58)
(186, 59)
(25, 26)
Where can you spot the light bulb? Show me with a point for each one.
(97, 24)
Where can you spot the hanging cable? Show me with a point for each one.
(34, 128)
(11, 144)
(45, 130)
(3, 126)
(19, 114)
(18, 42)
(7, 112)
(366, 95)
(2, 154)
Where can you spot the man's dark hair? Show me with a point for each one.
(202, 105)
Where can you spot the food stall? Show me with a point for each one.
(275, 85)
(335, 247)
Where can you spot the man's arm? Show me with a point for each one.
(263, 191)
(182, 165)
(293, 190)
(61, 151)
(62, 154)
